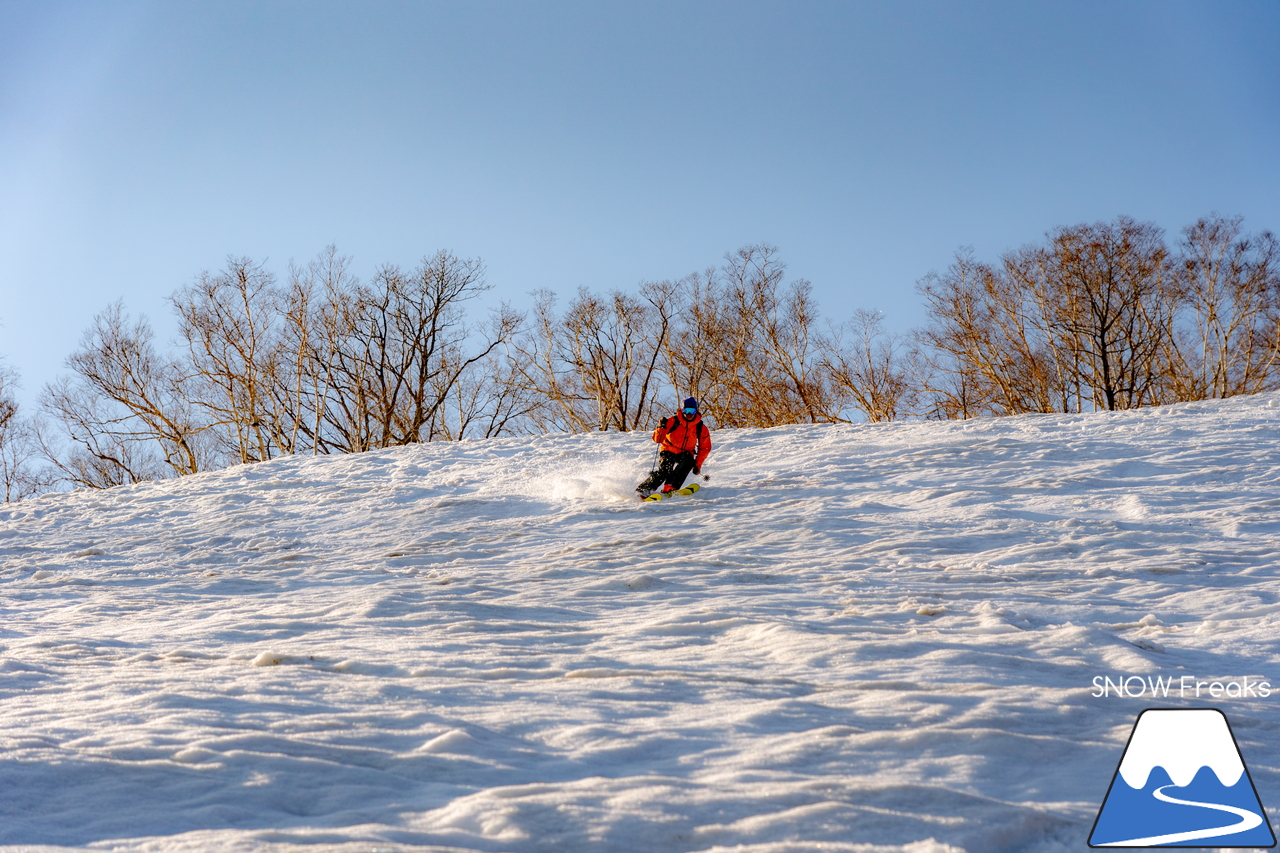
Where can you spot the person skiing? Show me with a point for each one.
(686, 442)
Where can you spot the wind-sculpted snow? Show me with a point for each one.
(855, 638)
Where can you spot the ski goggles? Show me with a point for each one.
(690, 411)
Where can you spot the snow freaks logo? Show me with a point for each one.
(1181, 687)
(1181, 783)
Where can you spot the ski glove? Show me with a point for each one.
(697, 469)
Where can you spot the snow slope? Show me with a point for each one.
(856, 638)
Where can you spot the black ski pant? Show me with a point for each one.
(672, 469)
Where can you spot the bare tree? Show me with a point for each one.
(1080, 322)
(881, 375)
(744, 341)
(125, 405)
(596, 366)
(1097, 316)
(236, 357)
(315, 322)
(989, 355)
(775, 340)
(20, 477)
(1229, 285)
(398, 348)
(1107, 295)
(95, 445)
(694, 353)
(489, 399)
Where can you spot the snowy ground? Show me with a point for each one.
(856, 638)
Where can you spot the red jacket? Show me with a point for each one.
(680, 436)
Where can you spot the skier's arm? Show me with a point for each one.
(704, 447)
(661, 432)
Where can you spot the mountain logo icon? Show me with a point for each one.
(1182, 783)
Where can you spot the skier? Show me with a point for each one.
(685, 441)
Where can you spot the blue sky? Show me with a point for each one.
(603, 144)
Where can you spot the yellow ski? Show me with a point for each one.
(687, 490)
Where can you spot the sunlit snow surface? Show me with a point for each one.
(855, 638)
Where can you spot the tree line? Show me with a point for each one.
(1100, 316)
